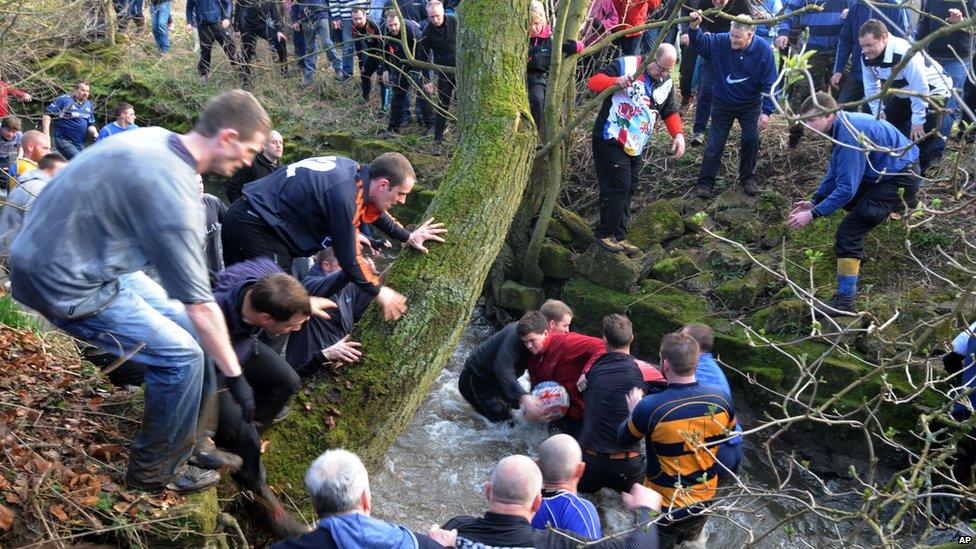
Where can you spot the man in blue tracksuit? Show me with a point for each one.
(211, 18)
(312, 18)
(870, 165)
(849, 48)
(823, 27)
(745, 70)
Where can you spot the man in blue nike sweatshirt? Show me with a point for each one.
(869, 162)
(745, 70)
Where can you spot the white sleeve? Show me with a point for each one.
(914, 73)
(871, 87)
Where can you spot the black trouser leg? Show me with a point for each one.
(486, 398)
(401, 87)
(274, 380)
(679, 531)
(689, 56)
(445, 90)
(748, 118)
(249, 41)
(537, 99)
(206, 33)
(898, 111)
(617, 474)
(245, 236)
(368, 66)
(718, 133)
(617, 173)
(239, 437)
(871, 207)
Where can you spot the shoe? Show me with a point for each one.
(796, 134)
(207, 456)
(437, 149)
(838, 305)
(910, 197)
(628, 248)
(704, 191)
(266, 511)
(698, 140)
(193, 479)
(609, 244)
(749, 187)
(282, 414)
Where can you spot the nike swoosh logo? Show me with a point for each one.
(729, 79)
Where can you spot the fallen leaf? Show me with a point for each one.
(120, 507)
(104, 452)
(330, 422)
(264, 445)
(110, 487)
(6, 518)
(58, 512)
(308, 406)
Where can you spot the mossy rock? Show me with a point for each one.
(790, 315)
(515, 296)
(700, 283)
(739, 293)
(412, 211)
(610, 270)
(657, 222)
(559, 231)
(725, 260)
(674, 268)
(772, 235)
(577, 226)
(340, 141)
(365, 150)
(556, 261)
(654, 308)
(772, 205)
(743, 224)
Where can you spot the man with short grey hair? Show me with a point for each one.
(514, 496)
(745, 70)
(338, 485)
(561, 461)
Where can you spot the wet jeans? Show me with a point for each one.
(142, 314)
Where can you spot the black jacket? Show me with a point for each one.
(611, 377)
(368, 38)
(495, 531)
(261, 167)
(255, 15)
(440, 43)
(949, 46)
(501, 360)
(413, 10)
(393, 50)
(540, 56)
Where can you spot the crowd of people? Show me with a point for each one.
(223, 311)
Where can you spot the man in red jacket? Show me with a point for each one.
(632, 13)
(559, 357)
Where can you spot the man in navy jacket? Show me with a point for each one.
(870, 161)
(745, 70)
(211, 18)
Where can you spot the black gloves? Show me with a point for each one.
(242, 393)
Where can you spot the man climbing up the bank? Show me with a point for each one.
(79, 258)
(622, 130)
(297, 211)
(871, 174)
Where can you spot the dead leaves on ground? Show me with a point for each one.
(63, 445)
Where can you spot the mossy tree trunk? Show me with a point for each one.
(372, 401)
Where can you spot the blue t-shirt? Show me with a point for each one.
(71, 118)
(710, 373)
(568, 512)
(114, 128)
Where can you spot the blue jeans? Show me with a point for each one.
(343, 36)
(320, 31)
(68, 149)
(159, 15)
(142, 314)
(956, 70)
(722, 117)
(706, 73)
(298, 42)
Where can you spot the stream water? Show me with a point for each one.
(438, 466)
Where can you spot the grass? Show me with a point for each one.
(12, 315)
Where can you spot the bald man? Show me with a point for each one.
(622, 130)
(514, 495)
(35, 144)
(265, 163)
(561, 462)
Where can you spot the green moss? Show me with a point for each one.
(412, 211)
(674, 268)
(789, 315)
(556, 261)
(517, 297)
(580, 229)
(657, 222)
(611, 270)
(559, 231)
(739, 293)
